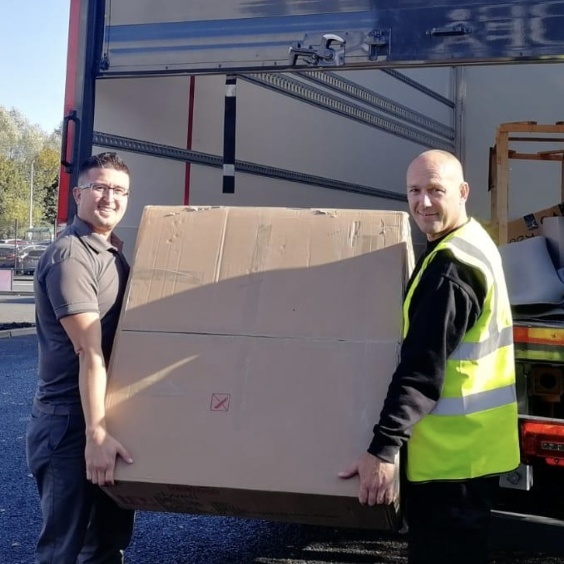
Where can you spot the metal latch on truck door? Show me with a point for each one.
(378, 43)
(323, 55)
(453, 31)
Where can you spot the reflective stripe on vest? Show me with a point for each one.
(493, 329)
(479, 401)
(475, 351)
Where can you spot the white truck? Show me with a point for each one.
(322, 104)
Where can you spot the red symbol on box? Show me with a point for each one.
(220, 402)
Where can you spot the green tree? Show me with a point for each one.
(14, 206)
(47, 182)
(29, 157)
(19, 139)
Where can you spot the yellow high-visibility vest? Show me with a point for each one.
(473, 429)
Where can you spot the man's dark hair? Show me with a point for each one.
(103, 160)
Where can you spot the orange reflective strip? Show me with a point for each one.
(539, 335)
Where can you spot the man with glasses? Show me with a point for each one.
(79, 287)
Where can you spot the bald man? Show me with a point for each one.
(452, 398)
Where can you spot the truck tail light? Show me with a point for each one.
(543, 440)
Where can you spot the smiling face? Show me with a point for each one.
(102, 211)
(437, 193)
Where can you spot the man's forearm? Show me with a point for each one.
(404, 407)
(92, 384)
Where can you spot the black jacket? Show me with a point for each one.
(446, 303)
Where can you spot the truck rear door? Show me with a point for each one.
(251, 35)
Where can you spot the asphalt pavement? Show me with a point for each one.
(17, 308)
(166, 538)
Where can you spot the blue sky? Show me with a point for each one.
(33, 43)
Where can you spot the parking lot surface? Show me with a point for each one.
(162, 538)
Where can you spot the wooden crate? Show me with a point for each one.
(502, 153)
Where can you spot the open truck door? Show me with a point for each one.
(380, 81)
(251, 36)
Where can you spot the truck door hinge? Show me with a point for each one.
(324, 55)
(378, 42)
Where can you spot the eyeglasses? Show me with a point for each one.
(119, 191)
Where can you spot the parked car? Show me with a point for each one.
(7, 256)
(17, 242)
(28, 257)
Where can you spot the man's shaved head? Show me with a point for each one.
(437, 193)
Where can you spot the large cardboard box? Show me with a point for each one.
(529, 225)
(252, 359)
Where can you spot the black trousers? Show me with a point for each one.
(449, 522)
(81, 524)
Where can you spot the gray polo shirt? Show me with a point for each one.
(79, 272)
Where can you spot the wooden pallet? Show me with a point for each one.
(501, 154)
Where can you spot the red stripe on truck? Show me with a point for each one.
(70, 104)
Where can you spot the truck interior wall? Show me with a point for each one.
(505, 93)
(272, 129)
(148, 109)
(440, 80)
(278, 130)
(252, 190)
